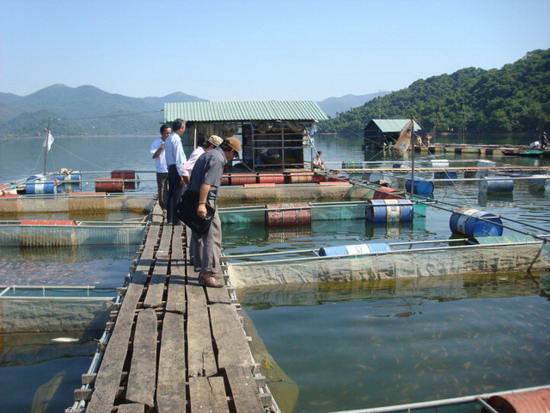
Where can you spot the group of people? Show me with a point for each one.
(201, 174)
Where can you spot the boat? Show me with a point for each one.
(528, 153)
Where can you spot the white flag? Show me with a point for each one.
(48, 143)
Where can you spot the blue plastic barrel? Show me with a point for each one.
(421, 186)
(44, 187)
(466, 221)
(496, 184)
(389, 210)
(445, 175)
(354, 249)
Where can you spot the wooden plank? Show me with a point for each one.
(229, 336)
(110, 370)
(155, 290)
(143, 371)
(218, 295)
(243, 390)
(200, 356)
(175, 300)
(171, 396)
(178, 252)
(207, 394)
(131, 408)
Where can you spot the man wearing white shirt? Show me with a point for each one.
(175, 158)
(211, 143)
(157, 152)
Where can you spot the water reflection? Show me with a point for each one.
(367, 344)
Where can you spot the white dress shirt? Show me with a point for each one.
(188, 166)
(174, 152)
(160, 161)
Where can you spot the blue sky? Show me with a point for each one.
(259, 49)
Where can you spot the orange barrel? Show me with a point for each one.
(271, 178)
(241, 179)
(534, 401)
(125, 174)
(301, 177)
(226, 178)
(385, 192)
(58, 222)
(288, 215)
(109, 185)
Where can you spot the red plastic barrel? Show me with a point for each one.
(300, 177)
(271, 178)
(534, 401)
(288, 215)
(125, 174)
(109, 185)
(241, 179)
(58, 222)
(385, 192)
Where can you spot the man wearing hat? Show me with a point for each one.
(211, 143)
(206, 178)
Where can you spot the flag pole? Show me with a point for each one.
(46, 144)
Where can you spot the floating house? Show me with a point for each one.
(385, 131)
(274, 134)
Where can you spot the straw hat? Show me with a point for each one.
(234, 143)
(215, 140)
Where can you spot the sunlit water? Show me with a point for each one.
(345, 345)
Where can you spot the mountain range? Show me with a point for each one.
(87, 110)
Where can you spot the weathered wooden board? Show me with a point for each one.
(200, 351)
(143, 370)
(243, 390)
(207, 394)
(109, 374)
(156, 285)
(175, 300)
(131, 408)
(171, 396)
(229, 336)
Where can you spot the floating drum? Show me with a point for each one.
(496, 184)
(467, 221)
(421, 186)
(439, 163)
(41, 187)
(389, 210)
(537, 183)
(485, 163)
(109, 185)
(125, 174)
(445, 175)
(300, 177)
(288, 215)
(241, 179)
(354, 249)
(385, 192)
(533, 401)
(271, 178)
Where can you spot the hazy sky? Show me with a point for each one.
(259, 49)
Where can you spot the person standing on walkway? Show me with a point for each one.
(211, 143)
(157, 152)
(175, 158)
(206, 178)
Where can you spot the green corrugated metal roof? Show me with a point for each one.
(393, 125)
(242, 111)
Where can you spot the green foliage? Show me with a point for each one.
(512, 99)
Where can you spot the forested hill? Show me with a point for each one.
(514, 98)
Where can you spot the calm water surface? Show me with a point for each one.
(345, 346)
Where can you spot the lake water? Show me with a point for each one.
(345, 346)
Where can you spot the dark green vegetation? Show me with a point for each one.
(85, 110)
(512, 99)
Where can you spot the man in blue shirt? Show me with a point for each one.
(206, 178)
(175, 158)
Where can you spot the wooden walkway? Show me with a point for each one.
(175, 346)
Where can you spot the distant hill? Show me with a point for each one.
(515, 98)
(333, 105)
(83, 110)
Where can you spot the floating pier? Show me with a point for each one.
(173, 345)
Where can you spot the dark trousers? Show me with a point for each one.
(162, 186)
(175, 190)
